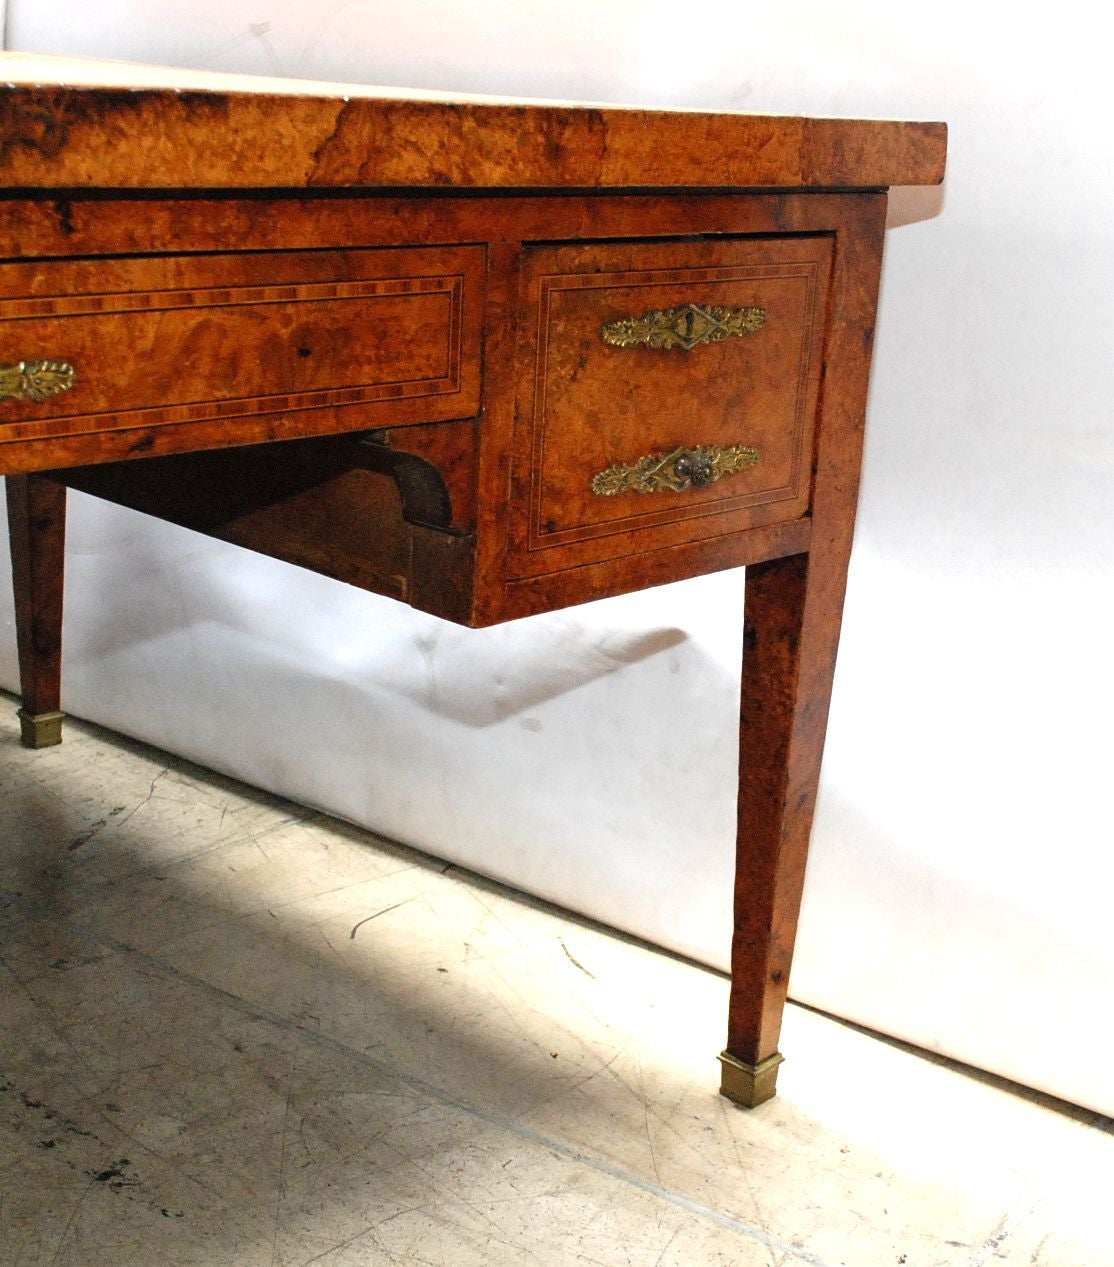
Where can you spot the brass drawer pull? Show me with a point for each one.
(35, 380)
(676, 471)
(685, 327)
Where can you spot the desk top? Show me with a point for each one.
(75, 123)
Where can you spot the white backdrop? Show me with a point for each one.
(959, 886)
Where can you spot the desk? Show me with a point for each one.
(486, 358)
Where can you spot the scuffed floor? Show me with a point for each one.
(235, 1032)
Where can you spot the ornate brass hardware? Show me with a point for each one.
(676, 471)
(685, 327)
(35, 380)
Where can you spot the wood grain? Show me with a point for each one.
(585, 405)
(75, 137)
(176, 339)
(37, 531)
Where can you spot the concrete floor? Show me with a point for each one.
(236, 1032)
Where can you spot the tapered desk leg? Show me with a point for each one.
(791, 630)
(37, 530)
(794, 609)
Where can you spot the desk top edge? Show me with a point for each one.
(164, 128)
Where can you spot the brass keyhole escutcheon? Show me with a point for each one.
(675, 471)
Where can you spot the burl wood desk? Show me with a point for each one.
(488, 359)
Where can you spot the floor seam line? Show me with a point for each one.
(568, 1151)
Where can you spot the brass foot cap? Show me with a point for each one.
(40, 730)
(747, 1084)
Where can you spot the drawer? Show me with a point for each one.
(666, 393)
(377, 336)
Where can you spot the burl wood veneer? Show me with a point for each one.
(486, 358)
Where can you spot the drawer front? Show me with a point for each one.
(100, 345)
(667, 393)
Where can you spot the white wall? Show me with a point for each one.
(962, 854)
